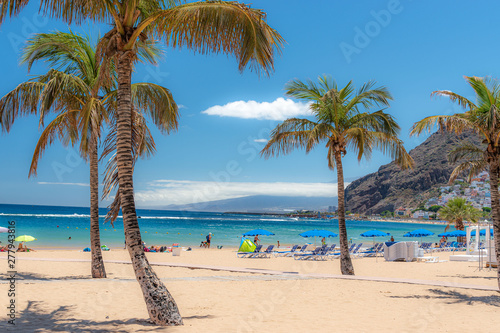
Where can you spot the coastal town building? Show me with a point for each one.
(477, 193)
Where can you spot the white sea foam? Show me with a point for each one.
(46, 215)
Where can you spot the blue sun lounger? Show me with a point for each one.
(288, 253)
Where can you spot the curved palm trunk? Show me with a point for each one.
(161, 305)
(97, 265)
(345, 259)
(495, 208)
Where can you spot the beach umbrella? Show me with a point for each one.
(374, 233)
(2, 229)
(318, 233)
(258, 232)
(24, 238)
(419, 233)
(456, 233)
(481, 233)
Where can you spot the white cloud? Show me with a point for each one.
(180, 192)
(260, 140)
(70, 184)
(280, 109)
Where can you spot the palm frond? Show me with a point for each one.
(157, 102)
(460, 100)
(472, 168)
(23, 100)
(470, 158)
(217, 26)
(457, 123)
(465, 151)
(369, 97)
(62, 127)
(143, 146)
(10, 8)
(291, 134)
(77, 11)
(378, 121)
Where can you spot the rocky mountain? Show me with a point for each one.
(390, 187)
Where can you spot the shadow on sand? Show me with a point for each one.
(35, 319)
(41, 277)
(455, 297)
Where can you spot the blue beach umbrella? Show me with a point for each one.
(481, 233)
(455, 233)
(258, 232)
(374, 233)
(419, 233)
(318, 233)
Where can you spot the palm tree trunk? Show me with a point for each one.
(345, 259)
(495, 208)
(97, 265)
(161, 306)
(459, 225)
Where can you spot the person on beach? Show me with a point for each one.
(209, 239)
(256, 240)
(323, 241)
(392, 238)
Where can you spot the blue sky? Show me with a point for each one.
(412, 47)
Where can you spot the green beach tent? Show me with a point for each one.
(246, 245)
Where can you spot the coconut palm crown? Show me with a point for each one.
(483, 118)
(456, 211)
(342, 121)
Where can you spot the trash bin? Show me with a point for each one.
(176, 251)
(421, 252)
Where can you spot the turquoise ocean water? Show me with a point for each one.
(52, 226)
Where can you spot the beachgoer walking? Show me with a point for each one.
(209, 238)
(323, 241)
(256, 240)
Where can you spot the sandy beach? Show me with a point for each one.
(54, 292)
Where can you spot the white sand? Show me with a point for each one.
(61, 296)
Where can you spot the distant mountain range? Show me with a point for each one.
(260, 204)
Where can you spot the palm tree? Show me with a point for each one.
(482, 118)
(205, 26)
(456, 211)
(74, 93)
(342, 122)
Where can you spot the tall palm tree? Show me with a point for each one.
(483, 118)
(456, 211)
(342, 121)
(80, 93)
(205, 27)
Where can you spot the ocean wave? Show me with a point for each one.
(47, 215)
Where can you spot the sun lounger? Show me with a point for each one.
(356, 252)
(288, 253)
(268, 253)
(250, 254)
(305, 256)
